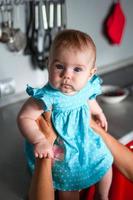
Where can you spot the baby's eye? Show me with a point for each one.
(59, 66)
(78, 69)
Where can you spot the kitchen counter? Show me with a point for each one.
(14, 176)
(119, 116)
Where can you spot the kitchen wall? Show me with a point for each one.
(86, 15)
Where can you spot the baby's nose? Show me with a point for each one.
(67, 74)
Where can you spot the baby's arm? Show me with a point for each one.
(27, 117)
(98, 114)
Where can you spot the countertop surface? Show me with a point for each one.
(14, 176)
(119, 116)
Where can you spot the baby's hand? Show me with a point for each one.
(43, 149)
(101, 120)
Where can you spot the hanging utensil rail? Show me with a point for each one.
(18, 2)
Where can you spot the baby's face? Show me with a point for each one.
(69, 70)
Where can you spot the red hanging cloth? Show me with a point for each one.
(115, 24)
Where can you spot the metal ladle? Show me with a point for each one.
(17, 40)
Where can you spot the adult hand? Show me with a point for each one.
(45, 125)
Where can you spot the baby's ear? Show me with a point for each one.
(93, 70)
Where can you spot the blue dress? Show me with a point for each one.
(86, 157)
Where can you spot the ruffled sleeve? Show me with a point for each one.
(95, 87)
(41, 95)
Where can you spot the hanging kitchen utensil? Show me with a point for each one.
(39, 52)
(11, 41)
(115, 24)
(41, 29)
(17, 39)
(0, 22)
(20, 41)
(35, 26)
(5, 24)
(51, 15)
(59, 17)
(30, 15)
(47, 37)
(63, 15)
(44, 37)
(48, 18)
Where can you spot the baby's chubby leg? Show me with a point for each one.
(102, 187)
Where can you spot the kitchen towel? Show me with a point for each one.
(115, 24)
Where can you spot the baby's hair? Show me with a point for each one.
(75, 39)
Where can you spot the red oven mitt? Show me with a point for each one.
(115, 24)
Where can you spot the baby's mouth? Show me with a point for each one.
(67, 86)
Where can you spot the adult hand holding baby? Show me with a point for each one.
(44, 148)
